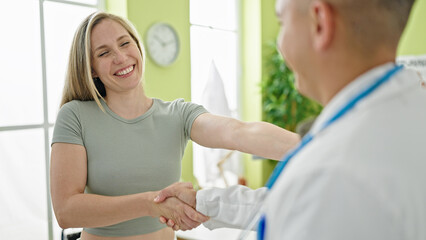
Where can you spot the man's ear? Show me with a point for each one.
(323, 24)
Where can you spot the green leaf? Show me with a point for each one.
(282, 103)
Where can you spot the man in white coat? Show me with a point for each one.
(360, 173)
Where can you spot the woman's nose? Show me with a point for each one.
(119, 57)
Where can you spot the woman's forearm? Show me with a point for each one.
(90, 210)
(265, 140)
(258, 138)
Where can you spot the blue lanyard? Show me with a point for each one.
(309, 137)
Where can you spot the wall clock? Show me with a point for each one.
(162, 43)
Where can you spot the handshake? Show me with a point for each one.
(176, 205)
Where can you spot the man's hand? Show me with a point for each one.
(184, 192)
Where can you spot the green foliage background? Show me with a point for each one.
(282, 104)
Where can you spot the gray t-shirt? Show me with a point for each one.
(128, 156)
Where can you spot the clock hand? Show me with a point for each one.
(167, 43)
(160, 40)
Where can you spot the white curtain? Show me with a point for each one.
(216, 167)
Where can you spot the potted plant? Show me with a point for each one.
(282, 104)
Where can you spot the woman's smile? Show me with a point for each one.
(125, 72)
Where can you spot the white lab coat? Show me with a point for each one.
(362, 178)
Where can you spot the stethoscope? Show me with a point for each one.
(307, 139)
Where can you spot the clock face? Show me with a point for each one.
(162, 44)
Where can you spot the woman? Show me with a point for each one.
(114, 148)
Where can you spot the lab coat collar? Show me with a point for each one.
(349, 91)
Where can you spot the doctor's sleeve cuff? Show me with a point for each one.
(230, 207)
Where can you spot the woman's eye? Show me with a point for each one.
(103, 54)
(125, 43)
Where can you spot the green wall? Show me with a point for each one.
(413, 41)
(259, 27)
(167, 83)
(251, 61)
(117, 7)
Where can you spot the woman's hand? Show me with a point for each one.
(183, 216)
(185, 193)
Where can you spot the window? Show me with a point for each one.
(214, 40)
(35, 42)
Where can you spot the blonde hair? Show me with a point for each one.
(79, 82)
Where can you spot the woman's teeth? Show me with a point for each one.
(125, 71)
